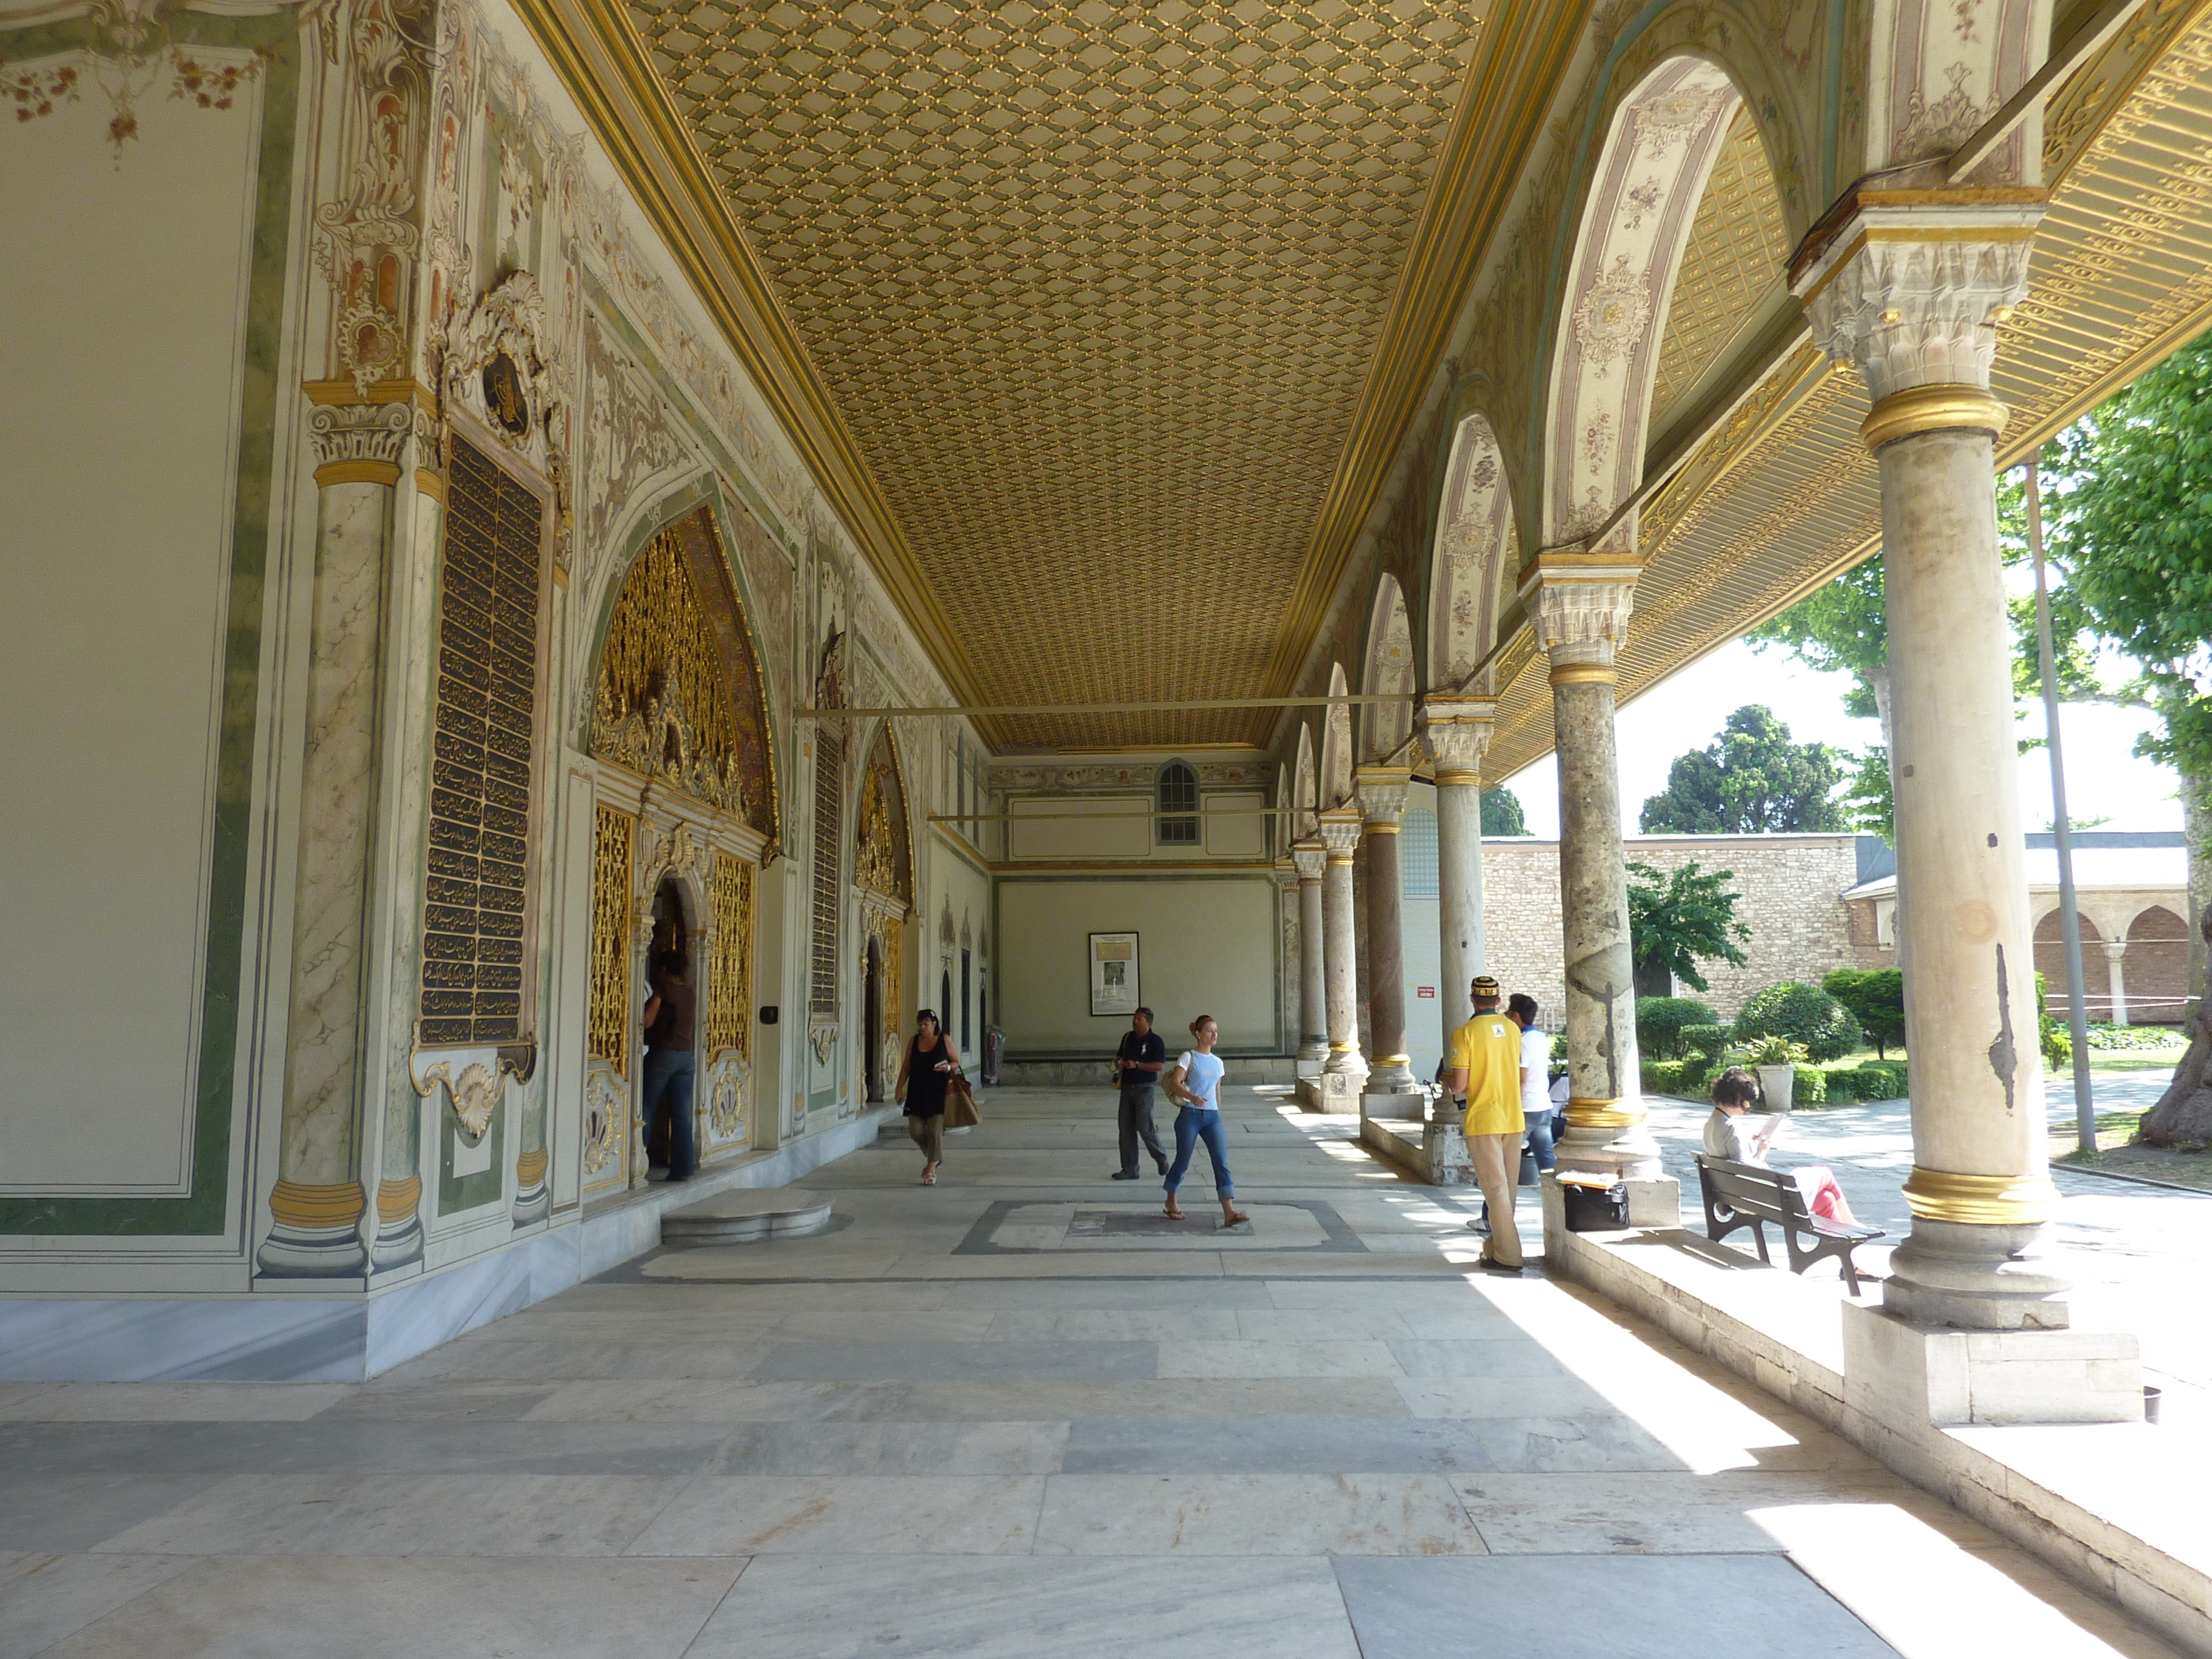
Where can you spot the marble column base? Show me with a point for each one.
(1905, 1374)
(1331, 1091)
(1976, 1278)
(396, 1244)
(1630, 1154)
(292, 1251)
(1393, 1080)
(534, 1203)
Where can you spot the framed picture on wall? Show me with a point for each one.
(1114, 974)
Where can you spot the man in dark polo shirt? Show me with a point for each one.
(671, 1064)
(1137, 1067)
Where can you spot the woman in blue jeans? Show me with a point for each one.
(1195, 1086)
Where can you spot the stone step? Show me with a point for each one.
(743, 1215)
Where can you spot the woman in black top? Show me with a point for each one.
(927, 1068)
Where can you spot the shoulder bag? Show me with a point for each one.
(960, 1111)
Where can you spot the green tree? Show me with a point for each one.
(2127, 507)
(1876, 1000)
(1678, 918)
(1501, 812)
(1751, 781)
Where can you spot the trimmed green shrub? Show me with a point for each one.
(1664, 1077)
(1811, 1088)
(1703, 1048)
(1842, 1084)
(1876, 1000)
(1883, 1080)
(1802, 1014)
(2110, 1037)
(1660, 1020)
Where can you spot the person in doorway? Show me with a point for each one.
(1137, 1067)
(923, 1074)
(1731, 1135)
(1485, 1074)
(1535, 1077)
(671, 1064)
(1195, 1086)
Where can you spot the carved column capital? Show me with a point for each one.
(360, 443)
(1340, 833)
(1312, 858)
(1382, 792)
(1913, 301)
(1457, 731)
(1582, 615)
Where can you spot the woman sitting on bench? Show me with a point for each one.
(1727, 1135)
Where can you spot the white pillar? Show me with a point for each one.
(1457, 732)
(2114, 950)
(1311, 858)
(1914, 306)
(1340, 834)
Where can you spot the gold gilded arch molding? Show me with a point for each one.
(679, 694)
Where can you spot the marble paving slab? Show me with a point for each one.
(1265, 1446)
(929, 1362)
(45, 1597)
(1245, 1514)
(832, 1515)
(401, 1514)
(1625, 1606)
(342, 1607)
(799, 1608)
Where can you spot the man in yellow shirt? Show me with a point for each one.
(1485, 1068)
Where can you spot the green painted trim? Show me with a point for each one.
(205, 1211)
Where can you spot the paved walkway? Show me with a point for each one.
(1010, 1415)
(2140, 1254)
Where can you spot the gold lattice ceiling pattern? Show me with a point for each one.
(1731, 269)
(1094, 286)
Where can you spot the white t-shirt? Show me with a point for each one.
(1536, 1064)
(1202, 1076)
(1734, 1138)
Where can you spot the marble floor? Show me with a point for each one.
(1009, 1415)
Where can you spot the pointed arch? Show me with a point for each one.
(883, 849)
(1303, 786)
(1664, 137)
(1474, 561)
(1388, 668)
(1335, 744)
(677, 691)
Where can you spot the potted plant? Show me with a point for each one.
(1777, 1059)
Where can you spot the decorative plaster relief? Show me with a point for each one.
(1923, 312)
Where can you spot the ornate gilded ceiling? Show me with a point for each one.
(1095, 287)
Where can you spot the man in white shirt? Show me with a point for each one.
(1535, 1076)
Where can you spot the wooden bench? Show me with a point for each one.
(1751, 1195)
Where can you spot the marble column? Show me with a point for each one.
(1339, 834)
(1582, 611)
(1363, 980)
(317, 1206)
(1311, 858)
(1383, 807)
(397, 1243)
(2114, 950)
(1914, 306)
(1457, 732)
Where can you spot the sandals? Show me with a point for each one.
(929, 1174)
(1174, 1214)
(1234, 1219)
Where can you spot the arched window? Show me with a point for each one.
(1177, 797)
